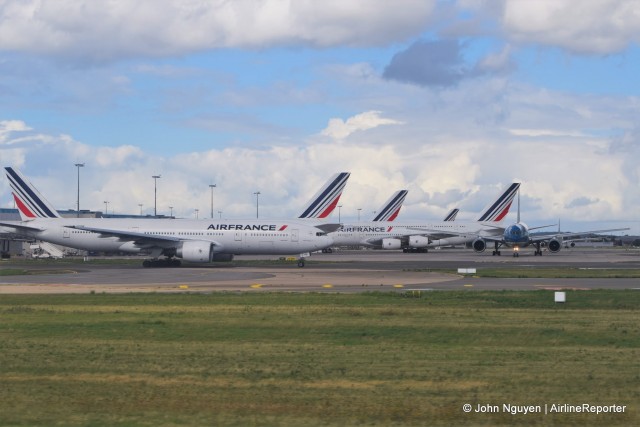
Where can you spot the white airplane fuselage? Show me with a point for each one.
(238, 237)
(416, 234)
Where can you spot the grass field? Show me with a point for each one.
(316, 359)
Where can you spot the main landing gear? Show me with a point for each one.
(301, 259)
(166, 262)
(496, 251)
(538, 250)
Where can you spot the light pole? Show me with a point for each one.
(140, 204)
(339, 207)
(257, 193)
(220, 213)
(78, 165)
(197, 210)
(171, 210)
(359, 209)
(106, 206)
(155, 194)
(212, 186)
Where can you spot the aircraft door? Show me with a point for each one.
(238, 237)
(65, 233)
(295, 234)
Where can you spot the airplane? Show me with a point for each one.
(191, 240)
(417, 236)
(518, 235)
(391, 208)
(326, 199)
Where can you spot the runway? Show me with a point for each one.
(346, 272)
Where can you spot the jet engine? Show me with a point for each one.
(418, 241)
(391, 244)
(554, 245)
(195, 251)
(479, 245)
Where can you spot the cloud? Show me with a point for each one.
(581, 202)
(597, 27)
(428, 63)
(8, 127)
(442, 168)
(441, 63)
(339, 129)
(105, 31)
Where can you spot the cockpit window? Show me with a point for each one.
(514, 230)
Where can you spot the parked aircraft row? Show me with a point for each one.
(209, 240)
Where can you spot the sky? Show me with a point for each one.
(452, 100)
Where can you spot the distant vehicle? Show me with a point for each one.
(197, 241)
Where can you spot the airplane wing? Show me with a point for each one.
(20, 226)
(139, 239)
(126, 235)
(443, 234)
(546, 237)
(329, 228)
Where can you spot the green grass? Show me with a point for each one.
(316, 359)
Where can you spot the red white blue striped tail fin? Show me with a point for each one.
(326, 200)
(391, 207)
(497, 210)
(451, 216)
(31, 204)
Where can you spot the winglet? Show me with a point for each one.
(500, 208)
(31, 204)
(326, 200)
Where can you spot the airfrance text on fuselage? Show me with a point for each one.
(365, 229)
(256, 227)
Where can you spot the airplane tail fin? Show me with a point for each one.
(497, 210)
(391, 207)
(451, 216)
(326, 200)
(29, 201)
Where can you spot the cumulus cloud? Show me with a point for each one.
(595, 27)
(104, 31)
(340, 129)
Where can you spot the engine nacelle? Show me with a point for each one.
(391, 243)
(130, 247)
(479, 245)
(195, 251)
(418, 241)
(554, 245)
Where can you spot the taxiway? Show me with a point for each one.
(345, 271)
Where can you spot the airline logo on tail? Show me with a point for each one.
(29, 201)
(326, 200)
(391, 208)
(451, 216)
(500, 208)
